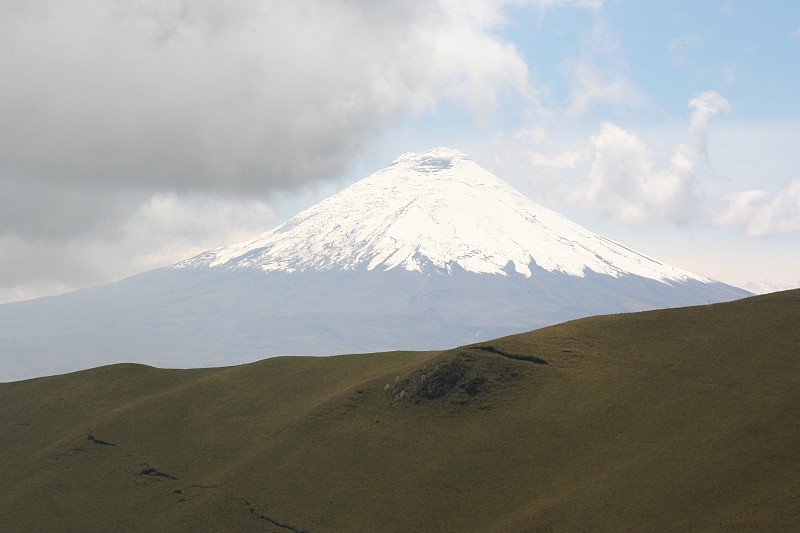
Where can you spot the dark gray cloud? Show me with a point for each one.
(51, 212)
(235, 95)
(105, 105)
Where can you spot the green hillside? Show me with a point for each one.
(674, 420)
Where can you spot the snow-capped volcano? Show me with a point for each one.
(432, 252)
(436, 209)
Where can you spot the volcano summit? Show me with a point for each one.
(434, 212)
(430, 252)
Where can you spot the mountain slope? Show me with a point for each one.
(669, 420)
(431, 252)
(437, 210)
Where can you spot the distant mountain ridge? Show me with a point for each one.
(429, 253)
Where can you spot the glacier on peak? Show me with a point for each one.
(434, 209)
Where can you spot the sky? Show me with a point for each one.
(134, 134)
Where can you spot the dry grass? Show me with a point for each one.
(674, 420)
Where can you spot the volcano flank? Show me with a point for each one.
(430, 252)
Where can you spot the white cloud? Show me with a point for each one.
(598, 76)
(164, 229)
(705, 106)
(169, 228)
(546, 4)
(593, 86)
(615, 172)
(762, 213)
(766, 286)
(729, 72)
(623, 182)
(682, 47)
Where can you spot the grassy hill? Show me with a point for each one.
(674, 420)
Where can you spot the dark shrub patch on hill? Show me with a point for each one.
(460, 378)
